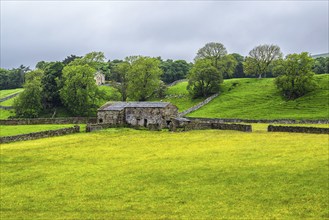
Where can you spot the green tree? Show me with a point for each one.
(113, 75)
(238, 72)
(69, 59)
(94, 59)
(122, 70)
(321, 65)
(80, 94)
(295, 76)
(226, 65)
(41, 65)
(144, 77)
(174, 70)
(28, 104)
(260, 59)
(211, 51)
(204, 79)
(51, 84)
(14, 78)
(4, 79)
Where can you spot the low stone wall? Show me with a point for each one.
(183, 124)
(96, 127)
(219, 126)
(34, 121)
(276, 121)
(41, 134)
(196, 107)
(6, 107)
(176, 82)
(297, 129)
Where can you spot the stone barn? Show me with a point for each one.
(146, 114)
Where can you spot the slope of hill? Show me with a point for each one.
(8, 92)
(179, 96)
(259, 99)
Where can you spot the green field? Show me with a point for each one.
(8, 130)
(5, 114)
(259, 99)
(131, 174)
(179, 96)
(8, 92)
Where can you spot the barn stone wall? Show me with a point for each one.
(150, 116)
(110, 117)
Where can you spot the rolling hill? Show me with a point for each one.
(259, 99)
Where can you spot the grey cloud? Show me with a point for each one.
(51, 30)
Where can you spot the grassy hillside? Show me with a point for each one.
(8, 92)
(130, 174)
(8, 102)
(4, 114)
(259, 99)
(179, 96)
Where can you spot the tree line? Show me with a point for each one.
(70, 83)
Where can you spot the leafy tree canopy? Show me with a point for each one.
(295, 76)
(80, 94)
(260, 59)
(204, 79)
(144, 77)
(211, 51)
(321, 65)
(51, 84)
(28, 104)
(174, 70)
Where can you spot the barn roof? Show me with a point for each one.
(118, 106)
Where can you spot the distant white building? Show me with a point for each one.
(99, 78)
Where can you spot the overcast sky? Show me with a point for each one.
(32, 31)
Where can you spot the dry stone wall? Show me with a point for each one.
(298, 129)
(96, 127)
(183, 124)
(6, 107)
(34, 121)
(176, 82)
(276, 121)
(219, 126)
(196, 107)
(41, 134)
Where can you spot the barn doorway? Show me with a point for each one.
(145, 123)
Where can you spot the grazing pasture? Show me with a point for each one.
(5, 114)
(179, 96)
(138, 174)
(259, 99)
